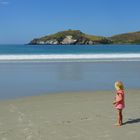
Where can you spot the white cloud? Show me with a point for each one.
(3, 2)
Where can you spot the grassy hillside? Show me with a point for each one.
(127, 38)
(76, 34)
(81, 38)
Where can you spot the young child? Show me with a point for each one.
(119, 102)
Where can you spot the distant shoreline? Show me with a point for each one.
(76, 37)
(73, 44)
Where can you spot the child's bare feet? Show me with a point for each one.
(117, 124)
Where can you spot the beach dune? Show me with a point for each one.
(69, 116)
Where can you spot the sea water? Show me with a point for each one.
(69, 53)
(33, 70)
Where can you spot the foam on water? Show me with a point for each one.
(72, 57)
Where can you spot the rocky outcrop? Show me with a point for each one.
(53, 42)
(68, 40)
(70, 37)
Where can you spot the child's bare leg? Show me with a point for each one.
(119, 117)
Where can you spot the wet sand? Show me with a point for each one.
(29, 79)
(69, 116)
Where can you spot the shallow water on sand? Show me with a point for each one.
(26, 79)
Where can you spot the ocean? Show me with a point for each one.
(27, 70)
(69, 53)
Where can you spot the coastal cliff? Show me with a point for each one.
(76, 37)
(70, 37)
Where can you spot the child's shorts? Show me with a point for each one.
(120, 106)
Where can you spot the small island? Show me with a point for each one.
(76, 37)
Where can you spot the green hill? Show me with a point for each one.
(70, 37)
(126, 38)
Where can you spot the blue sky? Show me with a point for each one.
(23, 20)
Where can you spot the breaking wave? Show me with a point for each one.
(71, 57)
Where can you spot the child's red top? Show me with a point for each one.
(120, 101)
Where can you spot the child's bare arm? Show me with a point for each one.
(114, 102)
(120, 98)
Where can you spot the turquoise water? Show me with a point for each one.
(26, 78)
(69, 49)
(69, 53)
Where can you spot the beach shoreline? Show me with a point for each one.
(73, 116)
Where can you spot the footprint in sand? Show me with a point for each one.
(84, 118)
(63, 122)
(21, 117)
(28, 133)
(66, 122)
(13, 108)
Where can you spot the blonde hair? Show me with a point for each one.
(119, 85)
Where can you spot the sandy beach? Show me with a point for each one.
(69, 116)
